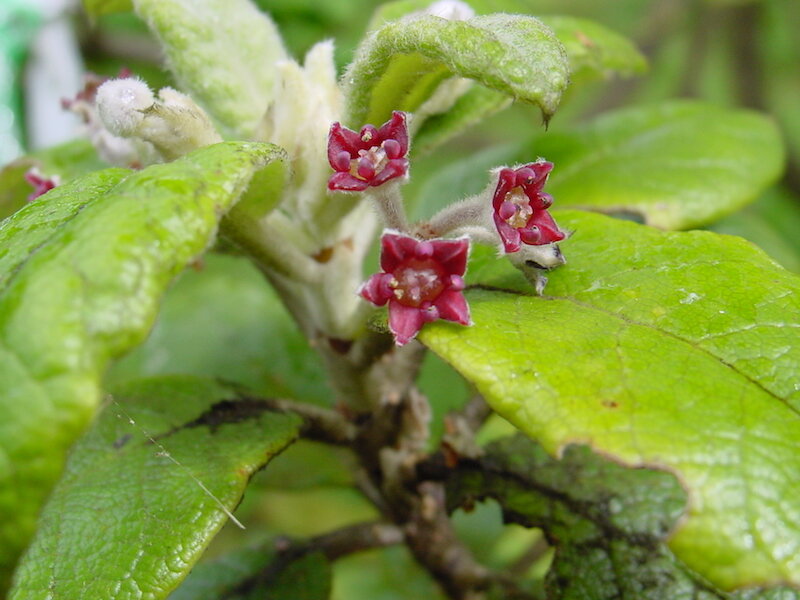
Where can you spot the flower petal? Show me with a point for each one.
(453, 307)
(396, 248)
(397, 167)
(346, 182)
(550, 231)
(396, 129)
(376, 289)
(508, 234)
(506, 181)
(531, 235)
(341, 162)
(341, 139)
(405, 321)
(452, 255)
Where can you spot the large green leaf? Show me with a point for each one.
(67, 161)
(671, 350)
(143, 492)
(401, 64)
(772, 224)
(779, 51)
(222, 52)
(679, 164)
(81, 274)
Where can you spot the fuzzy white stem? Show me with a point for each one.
(270, 249)
(389, 201)
(474, 211)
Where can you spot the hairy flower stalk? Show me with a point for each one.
(422, 281)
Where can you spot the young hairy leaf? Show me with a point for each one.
(686, 346)
(222, 52)
(82, 271)
(679, 164)
(143, 491)
(400, 65)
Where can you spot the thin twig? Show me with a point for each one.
(319, 423)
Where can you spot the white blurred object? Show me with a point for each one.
(54, 70)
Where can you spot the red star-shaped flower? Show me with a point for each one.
(41, 184)
(520, 207)
(422, 281)
(369, 157)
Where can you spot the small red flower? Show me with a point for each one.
(370, 157)
(422, 281)
(520, 207)
(41, 184)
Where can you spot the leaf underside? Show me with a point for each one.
(515, 55)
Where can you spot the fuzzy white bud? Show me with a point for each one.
(121, 104)
(172, 123)
(534, 261)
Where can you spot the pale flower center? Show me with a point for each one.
(375, 157)
(523, 208)
(418, 281)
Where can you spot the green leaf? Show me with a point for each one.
(399, 65)
(143, 491)
(670, 350)
(679, 164)
(97, 8)
(475, 105)
(772, 223)
(778, 50)
(222, 52)
(81, 275)
(247, 336)
(220, 578)
(308, 578)
(607, 523)
(595, 50)
(385, 574)
(67, 161)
